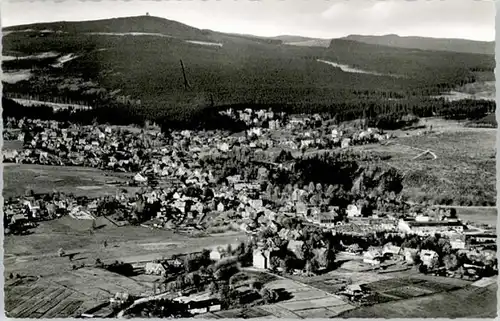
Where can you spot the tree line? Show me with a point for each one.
(385, 114)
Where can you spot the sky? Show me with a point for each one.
(467, 19)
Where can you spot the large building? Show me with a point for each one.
(261, 259)
(430, 227)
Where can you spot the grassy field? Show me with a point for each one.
(75, 291)
(486, 215)
(467, 302)
(464, 172)
(19, 178)
(12, 145)
(26, 253)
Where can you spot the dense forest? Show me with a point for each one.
(130, 79)
(383, 114)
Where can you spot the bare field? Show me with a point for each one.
(19, 178)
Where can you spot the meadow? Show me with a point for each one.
(80, 181)
(464, 172)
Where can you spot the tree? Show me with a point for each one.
(328, 258)
(225, 295)
(189, 263)
(268, 295)
(311, 187)
(311, 266)
(265, 295)
(451, 262)
(196, 280)
(434, 264)
(275, 262)
(257, 285)
(213, 288)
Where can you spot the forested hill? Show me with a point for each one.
(136, 62)
(425, 43)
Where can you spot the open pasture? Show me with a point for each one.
(12, 145)
(410, 287)
(20, 178)
(466, 302)
(482, 215)
(27, 252)
(464, 172)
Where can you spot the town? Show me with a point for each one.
(212, 160)
(268, 183)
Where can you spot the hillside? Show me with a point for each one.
(135, 61)
(425, 43)
(142, 24)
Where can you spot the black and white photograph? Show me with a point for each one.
(248, 159)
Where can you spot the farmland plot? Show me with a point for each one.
(43, 301)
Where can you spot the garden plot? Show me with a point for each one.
(42, 300)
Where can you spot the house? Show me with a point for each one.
(296, 248)
(216, 254)
(220, 207)
(345, 142)
(457, 244)
(353, 290)
(327, 219)
(391, 250)
(204, 306)
(354, 248)
(139, 178)
(428, 257)
(256, 204)
(155, 269)
(480, 238)
(261, 259)
(353, 211)
(410, 254)
(301, 208)
(422, 218)
(373, 257)
(119, 299)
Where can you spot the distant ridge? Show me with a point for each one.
(171, 28)
(426, 43)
